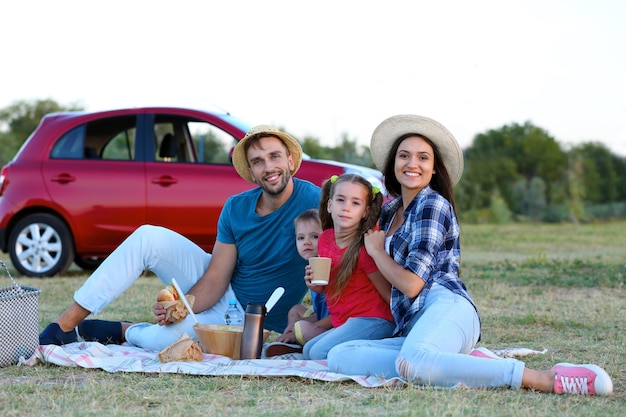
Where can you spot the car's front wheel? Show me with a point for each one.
(40, 245)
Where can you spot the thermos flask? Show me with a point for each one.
(252, 337)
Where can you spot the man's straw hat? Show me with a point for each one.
(240, 161)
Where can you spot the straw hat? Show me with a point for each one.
(396, 126)
(240, 161)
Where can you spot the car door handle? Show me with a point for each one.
(63, 178)
(164, 180)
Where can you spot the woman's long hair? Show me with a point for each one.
(440, 181)
(350, 258)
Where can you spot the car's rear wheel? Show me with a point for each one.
(40, 245)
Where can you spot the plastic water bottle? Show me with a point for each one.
(233, 316)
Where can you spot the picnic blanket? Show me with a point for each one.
(124, 358)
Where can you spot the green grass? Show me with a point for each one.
(558, 287)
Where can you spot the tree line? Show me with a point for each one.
(518, 172)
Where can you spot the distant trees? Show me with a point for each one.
(515, 173)
(537, 180)
(347, 151)
(18, 121)
(603, 173)
(602, 180)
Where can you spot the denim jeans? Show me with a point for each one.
(355, 328)
(167, 254)
(433, 350)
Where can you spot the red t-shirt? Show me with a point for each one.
(360, 298)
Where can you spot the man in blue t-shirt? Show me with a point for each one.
(253, 255)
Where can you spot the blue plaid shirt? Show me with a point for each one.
(426, 244)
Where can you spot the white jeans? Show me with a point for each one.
(167, 254)
(434, 352)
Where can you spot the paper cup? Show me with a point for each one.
(321, 270)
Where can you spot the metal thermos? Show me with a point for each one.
(252, 338)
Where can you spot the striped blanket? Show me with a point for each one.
(121, 358)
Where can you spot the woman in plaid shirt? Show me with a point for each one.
(417, 250)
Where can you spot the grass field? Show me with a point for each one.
(554, 287)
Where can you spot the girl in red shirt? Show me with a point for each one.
(357, 293)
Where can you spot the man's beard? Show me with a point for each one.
(280, 187)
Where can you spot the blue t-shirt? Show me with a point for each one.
(318, 300)
(267, 257)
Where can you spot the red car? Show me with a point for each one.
(82, 182)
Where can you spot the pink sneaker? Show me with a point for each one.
(581, 379)
(483, 352)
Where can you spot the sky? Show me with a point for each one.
(331, 68)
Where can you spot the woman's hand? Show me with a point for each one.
(159, 314)
(374, 242)
(409, 283)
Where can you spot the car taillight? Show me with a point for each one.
(3, 176)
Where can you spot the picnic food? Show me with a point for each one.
(175, 309)
(224, 340)
(168, 293)
(184, 349)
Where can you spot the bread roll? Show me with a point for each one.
(165, 295)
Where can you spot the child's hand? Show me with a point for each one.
(288, 336)
(308, 277)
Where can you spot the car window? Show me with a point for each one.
(211, 143)
(111, 138)
(179, 139)
(71, 145)
(168, 146)
(121, 146)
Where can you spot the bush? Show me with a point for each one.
(611, 211)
